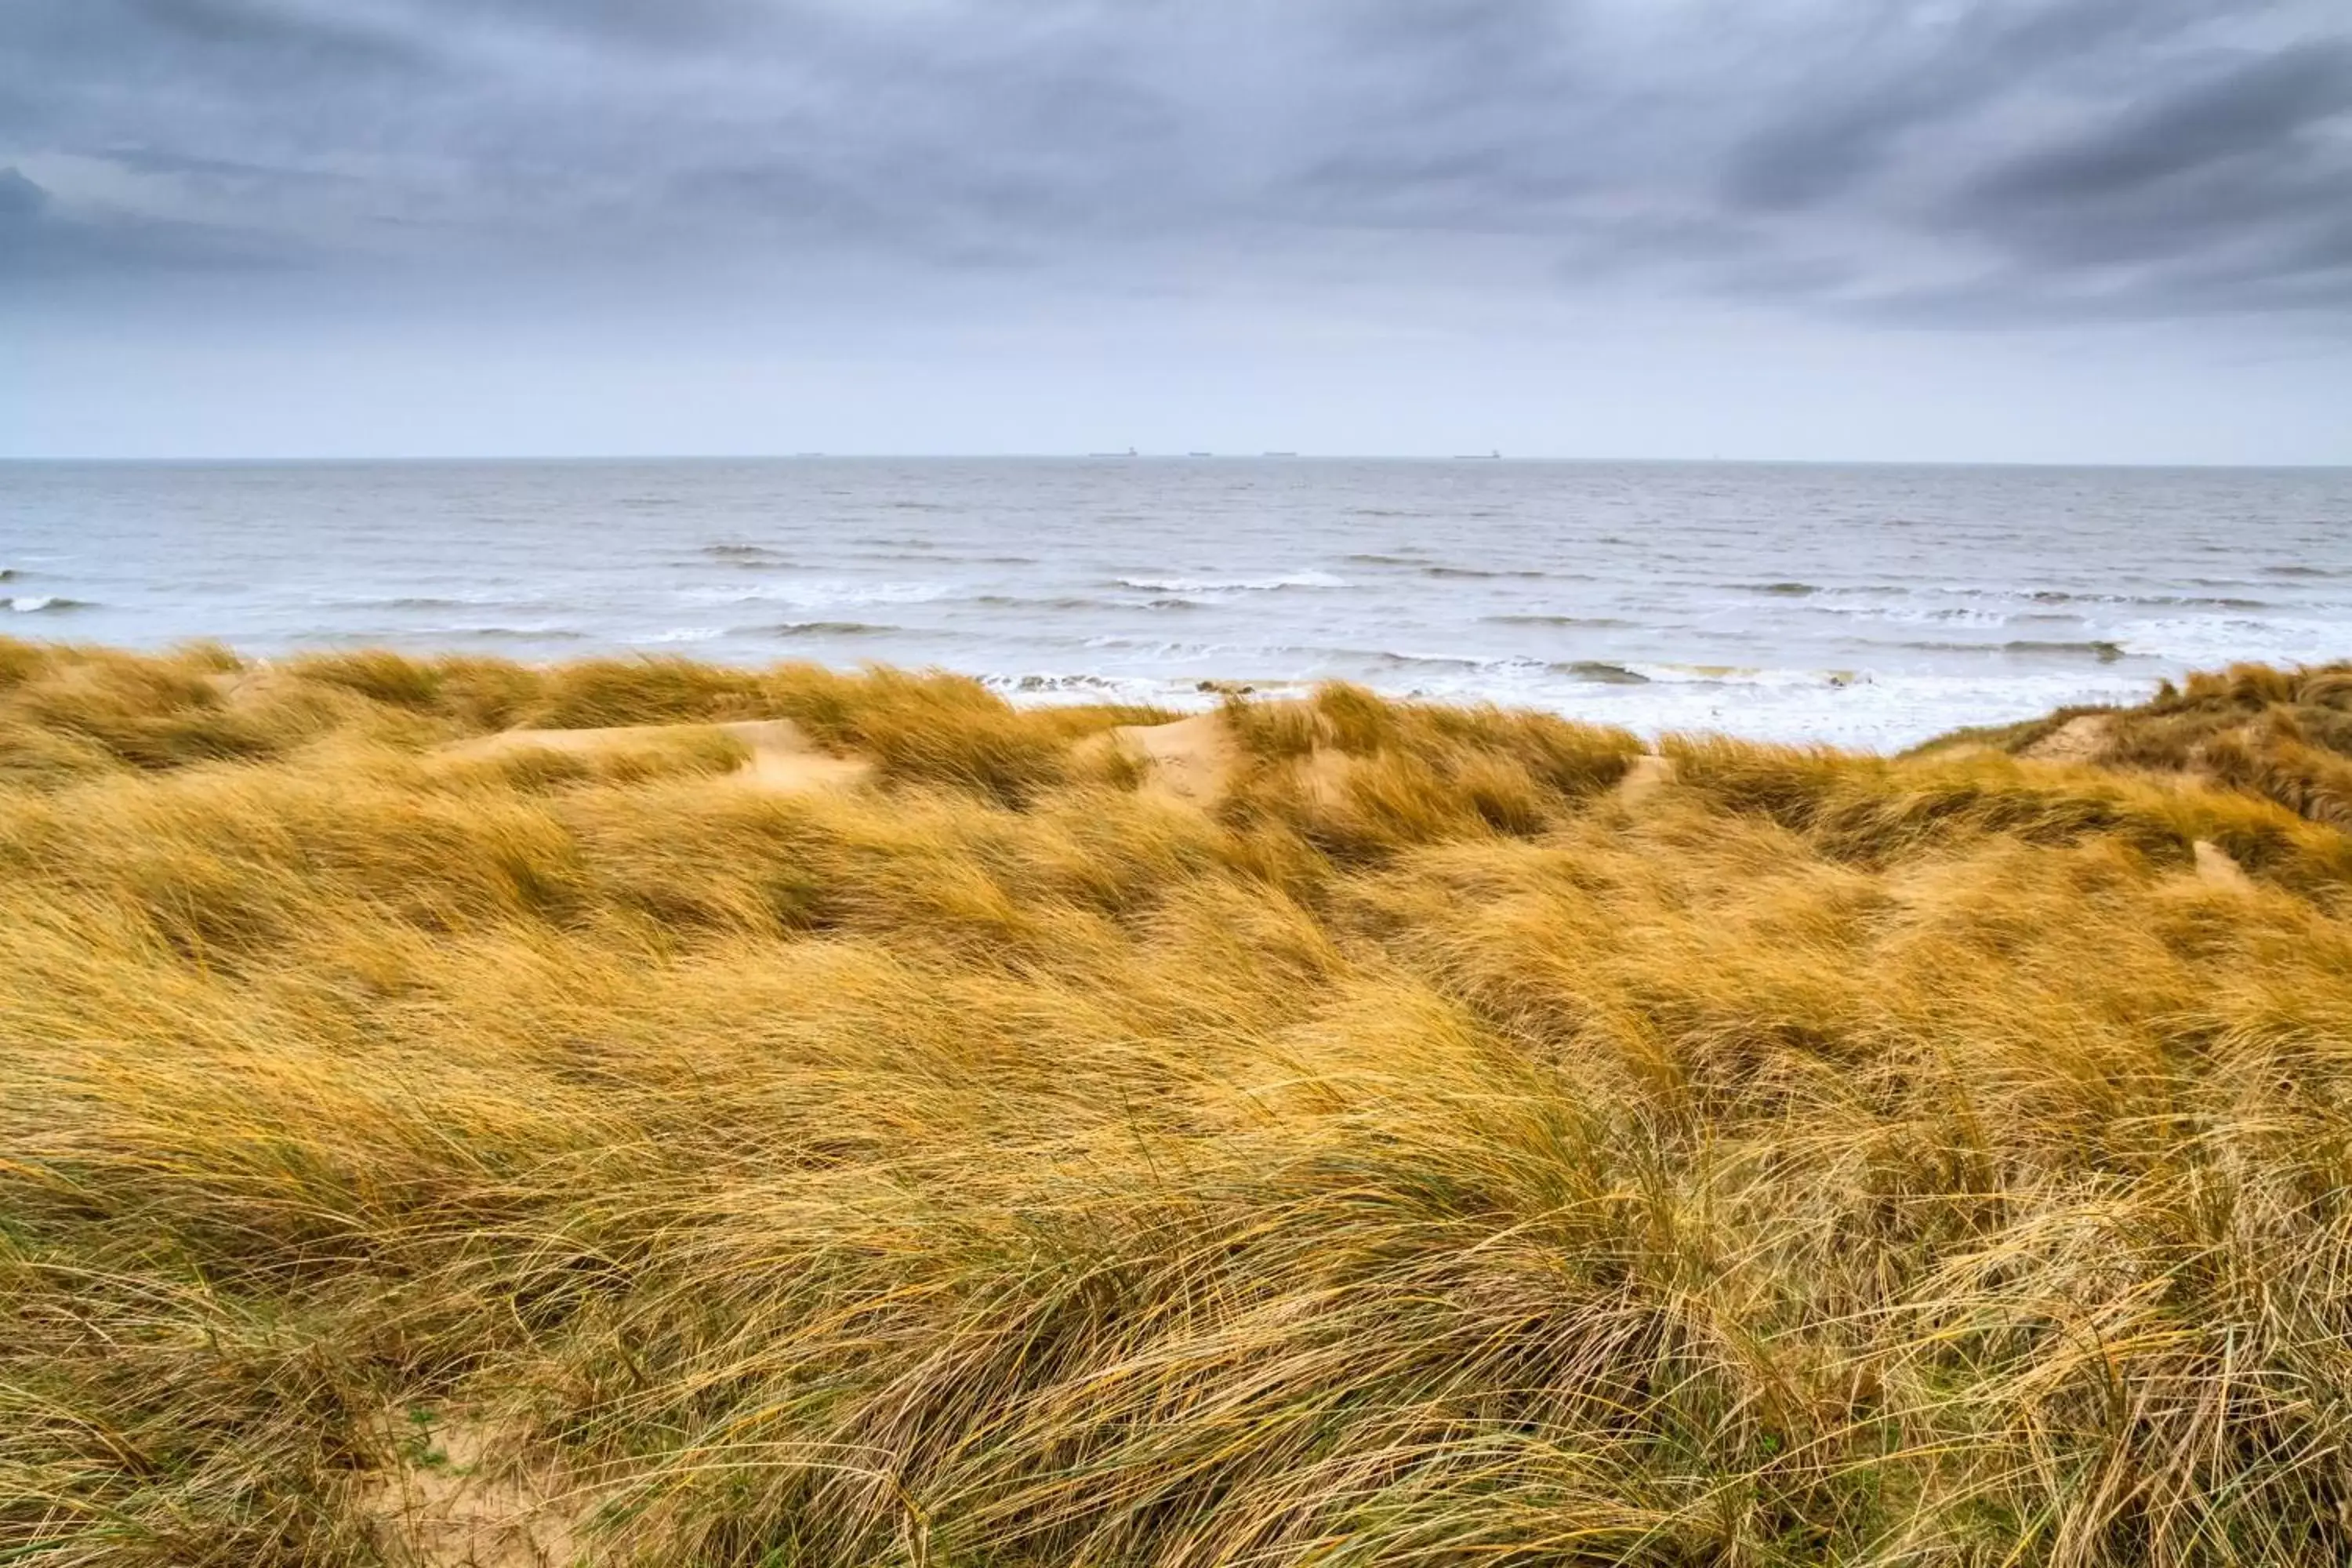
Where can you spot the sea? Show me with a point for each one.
(1868, 606)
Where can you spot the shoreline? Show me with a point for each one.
(1852, 710)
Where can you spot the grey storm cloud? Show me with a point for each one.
(42, 242)
(2233, 188)
(1937, 163)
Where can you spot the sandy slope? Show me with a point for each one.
(2076, 741)
(1192, 761)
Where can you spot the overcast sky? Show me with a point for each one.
(2040, 230)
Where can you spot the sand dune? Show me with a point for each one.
(1322, 1129)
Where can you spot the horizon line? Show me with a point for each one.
(552, 459)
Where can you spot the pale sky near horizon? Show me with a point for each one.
(2010, 230)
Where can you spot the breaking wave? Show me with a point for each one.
(1233, 584)
(815, 629)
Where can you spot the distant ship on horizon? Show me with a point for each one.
(1494, 456)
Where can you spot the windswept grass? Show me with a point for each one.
(1431, 1156)
(2283, 735)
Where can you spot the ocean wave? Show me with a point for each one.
(1598, 621)
(1036, 683)
(1021, 602)
(746, 554)
(1233, 584)
(2207, 602)
(1160, 648)
(1599, 671)
(814, 629)
(1154, 692)
(46, 604)
(494, 596)
(1909, 616)
(1530, 676)
(2157, 601)
(2099, 648)
(1748, 675)
(1425, 660)
(821, 594)
(1992, 607)
(2299, 572)
(519, 634)
(1373, 558)
(456, 602)
(2192, 643)
(1478, 572)
(1602, 673)
(1780, 590)
(2084, 596)
(2105, 652)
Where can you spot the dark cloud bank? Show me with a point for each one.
(2002, 163)
(1960, 161)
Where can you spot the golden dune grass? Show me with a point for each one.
(1438, 1152)
(2283, 735)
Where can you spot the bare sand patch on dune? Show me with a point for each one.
(456, 1498)
(1193, 760)
(780, 758)
(1649, 773)
(1196, 761)
(2082, 740)
(784, 759)
(2217, 869)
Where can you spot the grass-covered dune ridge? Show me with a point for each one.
(2284, 734)
(1452, 1141)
